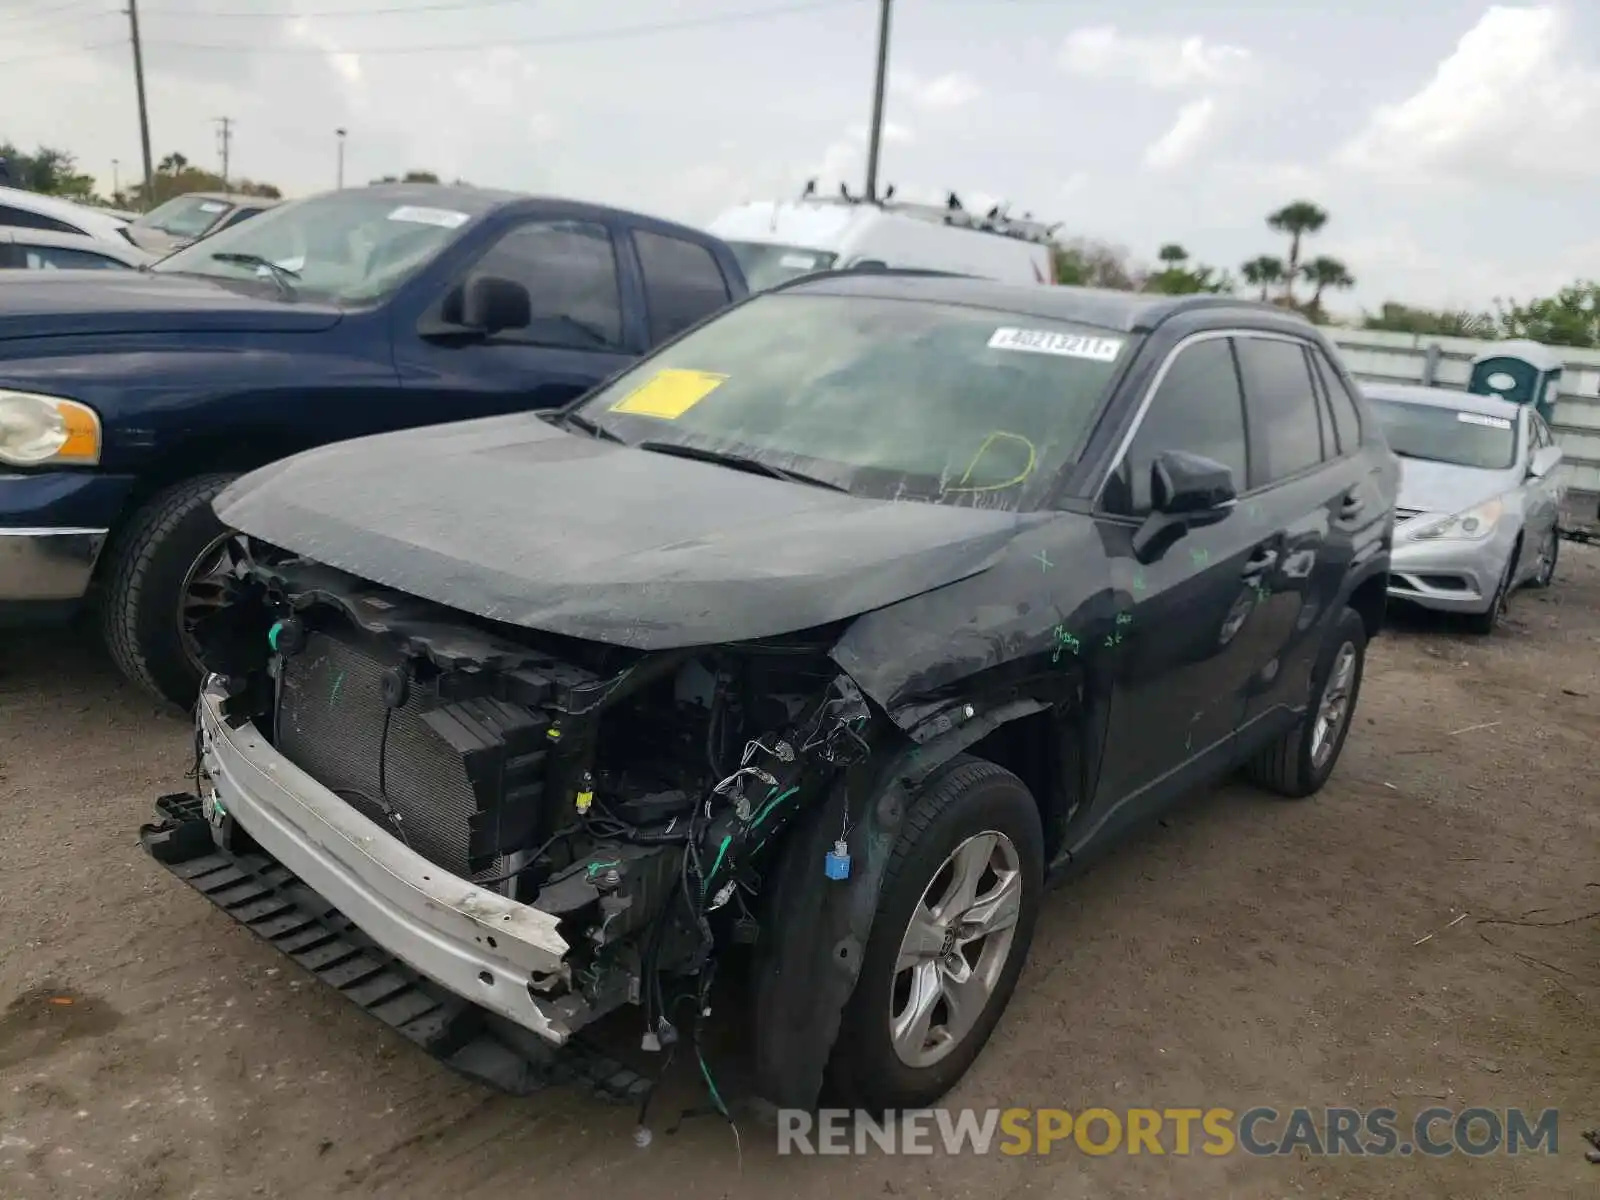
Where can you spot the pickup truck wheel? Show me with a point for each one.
(162, 576)
(955, 916)
(1299, 762)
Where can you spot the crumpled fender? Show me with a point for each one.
(815, 930)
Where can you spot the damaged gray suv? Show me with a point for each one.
(828, 634)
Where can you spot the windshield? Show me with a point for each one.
(766, 265)
(185, 216)
(347, 247)
(1447, 435)
(891, 399)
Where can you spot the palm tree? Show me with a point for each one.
(1323, 273)
(1263, 271)
(1297, 220)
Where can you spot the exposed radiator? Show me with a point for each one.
(330, 725)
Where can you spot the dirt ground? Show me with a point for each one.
(1247, 952)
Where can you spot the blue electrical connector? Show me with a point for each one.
(836, 864)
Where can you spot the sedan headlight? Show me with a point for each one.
(1474, 524)
(39, 430)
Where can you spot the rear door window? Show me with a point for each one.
(61, 258)
(1285, 429)
(1346, 420)
(21, 218)
(682, 283)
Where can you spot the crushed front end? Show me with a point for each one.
(523, 831)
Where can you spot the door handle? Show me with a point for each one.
(1263, 560)
(1350, 505)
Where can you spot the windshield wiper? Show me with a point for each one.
(282, 276)
(739, 462)
(590, 427)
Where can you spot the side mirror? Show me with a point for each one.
(1190, 485)
(490, 304)
(1187, 491)
(1545, 460)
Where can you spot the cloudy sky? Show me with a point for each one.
(1448, 146)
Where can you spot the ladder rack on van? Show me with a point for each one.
(1023, 229)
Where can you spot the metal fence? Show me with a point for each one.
(1447, 362)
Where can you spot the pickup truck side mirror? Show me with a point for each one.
(1187, 491)
(490, 304)
(1545, 459)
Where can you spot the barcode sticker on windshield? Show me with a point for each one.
(445, 218)
(1065, 345)
(212, 206)
(1483, 419)
(799, 262)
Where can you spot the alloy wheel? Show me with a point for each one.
(203, 592)
(1333, 710)
(955, 948)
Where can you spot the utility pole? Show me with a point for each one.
(116, 179)
(224, 144)
(875, 134)
(339, 133)
(144, 113)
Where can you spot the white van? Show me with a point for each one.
(775, 240)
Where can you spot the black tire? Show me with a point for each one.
(146, 565)
(967, 797)
(1486, 622)
(1289, 766)
(1547, 573)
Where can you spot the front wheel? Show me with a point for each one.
(1546, 574)
(163, 574)
(954, 920)
(1488, 620)
(1299, 762)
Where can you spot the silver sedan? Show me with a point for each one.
(1479, 498)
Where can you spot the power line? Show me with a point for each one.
(333, 14)
(30, 28)
(55, 54)
(560, 39)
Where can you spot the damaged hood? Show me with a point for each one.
(515, 520)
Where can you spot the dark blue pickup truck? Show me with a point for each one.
(128, 400)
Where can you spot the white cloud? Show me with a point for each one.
(346, 66)
(1507, 103)
(1101, 52)
(954, 89)
(1189, 131)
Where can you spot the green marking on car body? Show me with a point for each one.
(333, 696)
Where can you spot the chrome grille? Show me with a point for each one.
(330, 725)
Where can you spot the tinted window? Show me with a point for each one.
(1285, 437)
(21, 218)
(1197, 408)
(682, 283)
(58, 258)
(570, 271)
(1345, 418)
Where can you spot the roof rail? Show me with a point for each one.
(868, 268)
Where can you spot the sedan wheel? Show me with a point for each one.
(1334, 708)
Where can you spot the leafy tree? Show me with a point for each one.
(52, 172)
(1323, 273)
(1569, 318)
(411, 177)
(1422, 322)
(1083, 262)
(1298, 219)
(176, 177)
(1263, 272)
(1177, 278)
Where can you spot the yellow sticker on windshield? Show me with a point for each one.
(669, 394)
